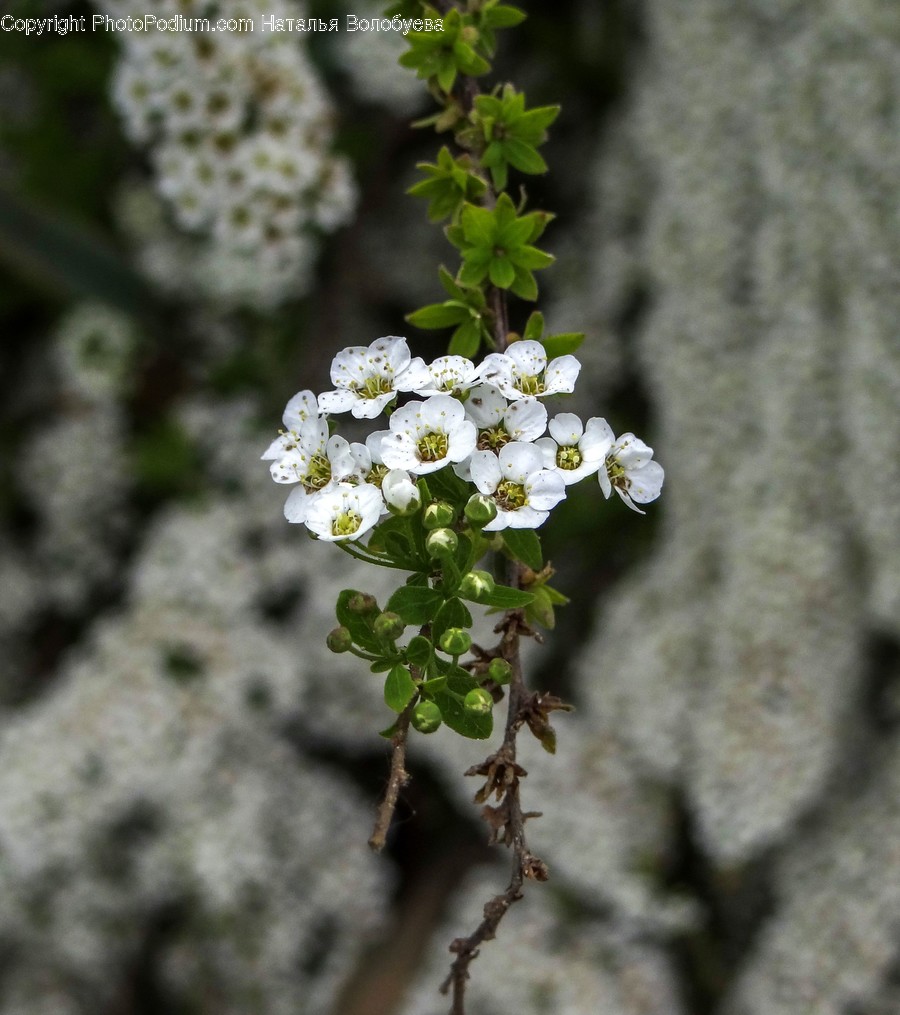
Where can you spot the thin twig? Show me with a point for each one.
(398, 778)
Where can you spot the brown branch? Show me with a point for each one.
(507, 820)
(398, 778)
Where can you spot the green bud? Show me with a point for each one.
(426, 717)
(455, 641)
(438, 515)
(339, 640)
(362, 603)
(388, 625)
(478, 701)
(500, 671)
(476, 584)
(418, 651)
(441, 542)
(480, 510)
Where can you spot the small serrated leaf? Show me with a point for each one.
(525, 545)
(399, 688)
(562, 344)
(415, 604)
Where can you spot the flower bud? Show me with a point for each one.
(426, 717)
(476, 584)
(500, 671)
(362, 603)
(388, 625)
(478, 701)
(400, 493)
(480, 510)
(441, 542)
(339, 640)
(455, 641)
(438, 515)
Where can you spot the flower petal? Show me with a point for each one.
(485, 405)
(299, 409)
(519, 460)
(562, 374)
(566, 429)
(597, 440)
(646, 482)
(545, 490)
(529, 357)
(485, 470)
(526, 419)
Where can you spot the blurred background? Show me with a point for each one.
(190, 227)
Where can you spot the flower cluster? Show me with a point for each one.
(239, 132)
(487, 422)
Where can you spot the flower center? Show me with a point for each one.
(568, 458)
(617, 475)
(510, 496)
(374, 386)
(318, 474)
(493, 439)
(432, 447)
(346, 523)
(376, 475)
(531, 384)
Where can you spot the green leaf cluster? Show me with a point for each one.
(440, 57)
(497, 244)
(510, 134)
(448, 185)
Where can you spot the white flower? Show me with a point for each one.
(369, 465)
(318, 463)
(523, 490)
(367, 378)
(499, 422)
(629, 471)
(573, 448)
(346, 512)
(426, 436)
(301, 408)
(449, 375)
(400, 492)
(523, 372)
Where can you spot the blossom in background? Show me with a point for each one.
(628, 469)
(523, 372)
(426, 436)
(516, 480)
(366, 379)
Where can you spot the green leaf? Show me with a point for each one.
(359, 627)
(382, 666)
(503, 16)
(438, 315)
(525, 545)
(466, 340)
(415, 604)
(399, 688)
(504, 598)
(532, 258)
(541, 610)
(556, 597)
(459, 683)
(419, 651)
(502, 274)
(562, 344)
(525, 286)
(453, 613)
(524, 156)
(534, 326)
